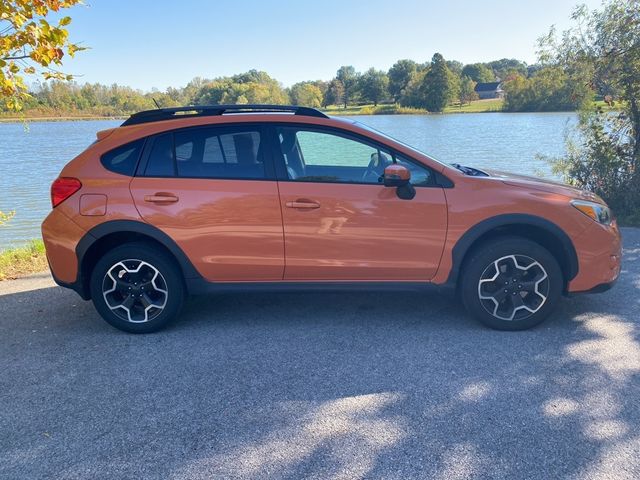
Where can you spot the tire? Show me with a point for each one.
(137, 288)
(503, 269)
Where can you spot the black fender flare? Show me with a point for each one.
(466, 241)
(135, 227)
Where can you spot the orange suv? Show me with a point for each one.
(216, 198)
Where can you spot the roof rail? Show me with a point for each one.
(159, 114)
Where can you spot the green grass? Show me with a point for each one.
(479, 106)
(16, 262)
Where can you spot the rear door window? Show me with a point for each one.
(220, 153)
(160, 163)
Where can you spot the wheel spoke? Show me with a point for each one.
(519, 278)
(135, 290)
(128, 302)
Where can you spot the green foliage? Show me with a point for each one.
(374, 86)
(334, 94)
(30, 45)
(413, 95)
(600, 159)
(467, 91)
(603, 50)
(21, 261)
(348, 76)
(250, 87)
(479, 73)
(400, 75)
(439, 85)
(506, 66)
(306, 94)
(550, 89)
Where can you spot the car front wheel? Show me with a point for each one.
(511, 283)
(137, 288)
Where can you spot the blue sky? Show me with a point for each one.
(147, 43)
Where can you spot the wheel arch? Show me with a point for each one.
(108, 235)
(537, 229)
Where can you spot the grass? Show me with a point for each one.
(479, 106)
(20, 261)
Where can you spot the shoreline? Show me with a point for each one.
(67, 118)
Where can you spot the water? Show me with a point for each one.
(30, 159)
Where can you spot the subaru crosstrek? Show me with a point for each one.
(259, 197)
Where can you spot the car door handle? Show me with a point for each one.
(161, 197)
(303, 203)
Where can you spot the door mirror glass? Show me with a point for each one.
(396, 175)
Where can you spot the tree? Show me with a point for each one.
(438, 85)
(549, 89)
(455, 67)
(334, 94)
(603, 49)
(306, 94)
(479, 73)
(373, 86)
(467, 91)
(349, 79)
(249, 87)
(503, 67)
(400, 74)
(30, 45)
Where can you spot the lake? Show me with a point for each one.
(32, 157)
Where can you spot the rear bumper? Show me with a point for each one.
(78, 286)
(61, 236)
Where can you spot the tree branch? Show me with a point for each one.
(20, 57)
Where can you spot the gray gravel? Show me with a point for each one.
(320, 386)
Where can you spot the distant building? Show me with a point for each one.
(489, 90)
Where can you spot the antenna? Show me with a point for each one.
(154, 101)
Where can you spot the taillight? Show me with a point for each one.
(62, 188)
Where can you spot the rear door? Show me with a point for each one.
(341, 223)
(213, 190)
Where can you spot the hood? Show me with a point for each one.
(544, 185)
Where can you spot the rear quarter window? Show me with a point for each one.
(123, 159)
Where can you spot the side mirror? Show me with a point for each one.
(396, 176)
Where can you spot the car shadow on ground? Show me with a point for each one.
(345, 385)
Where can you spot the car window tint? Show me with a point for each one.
(160, 163)
(208, 153)
(325, 157)
(123, 159)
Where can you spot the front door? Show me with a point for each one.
(213, 191)
(342, 224)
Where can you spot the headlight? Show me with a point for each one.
(599, 213)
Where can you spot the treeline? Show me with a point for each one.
(430, 86)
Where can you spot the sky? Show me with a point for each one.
(150, 44)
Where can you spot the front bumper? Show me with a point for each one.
(599, 251)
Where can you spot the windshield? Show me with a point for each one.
(406, 145)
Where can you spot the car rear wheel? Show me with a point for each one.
(137, 288)
(511, 283)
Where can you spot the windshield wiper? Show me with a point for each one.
(472, 172)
